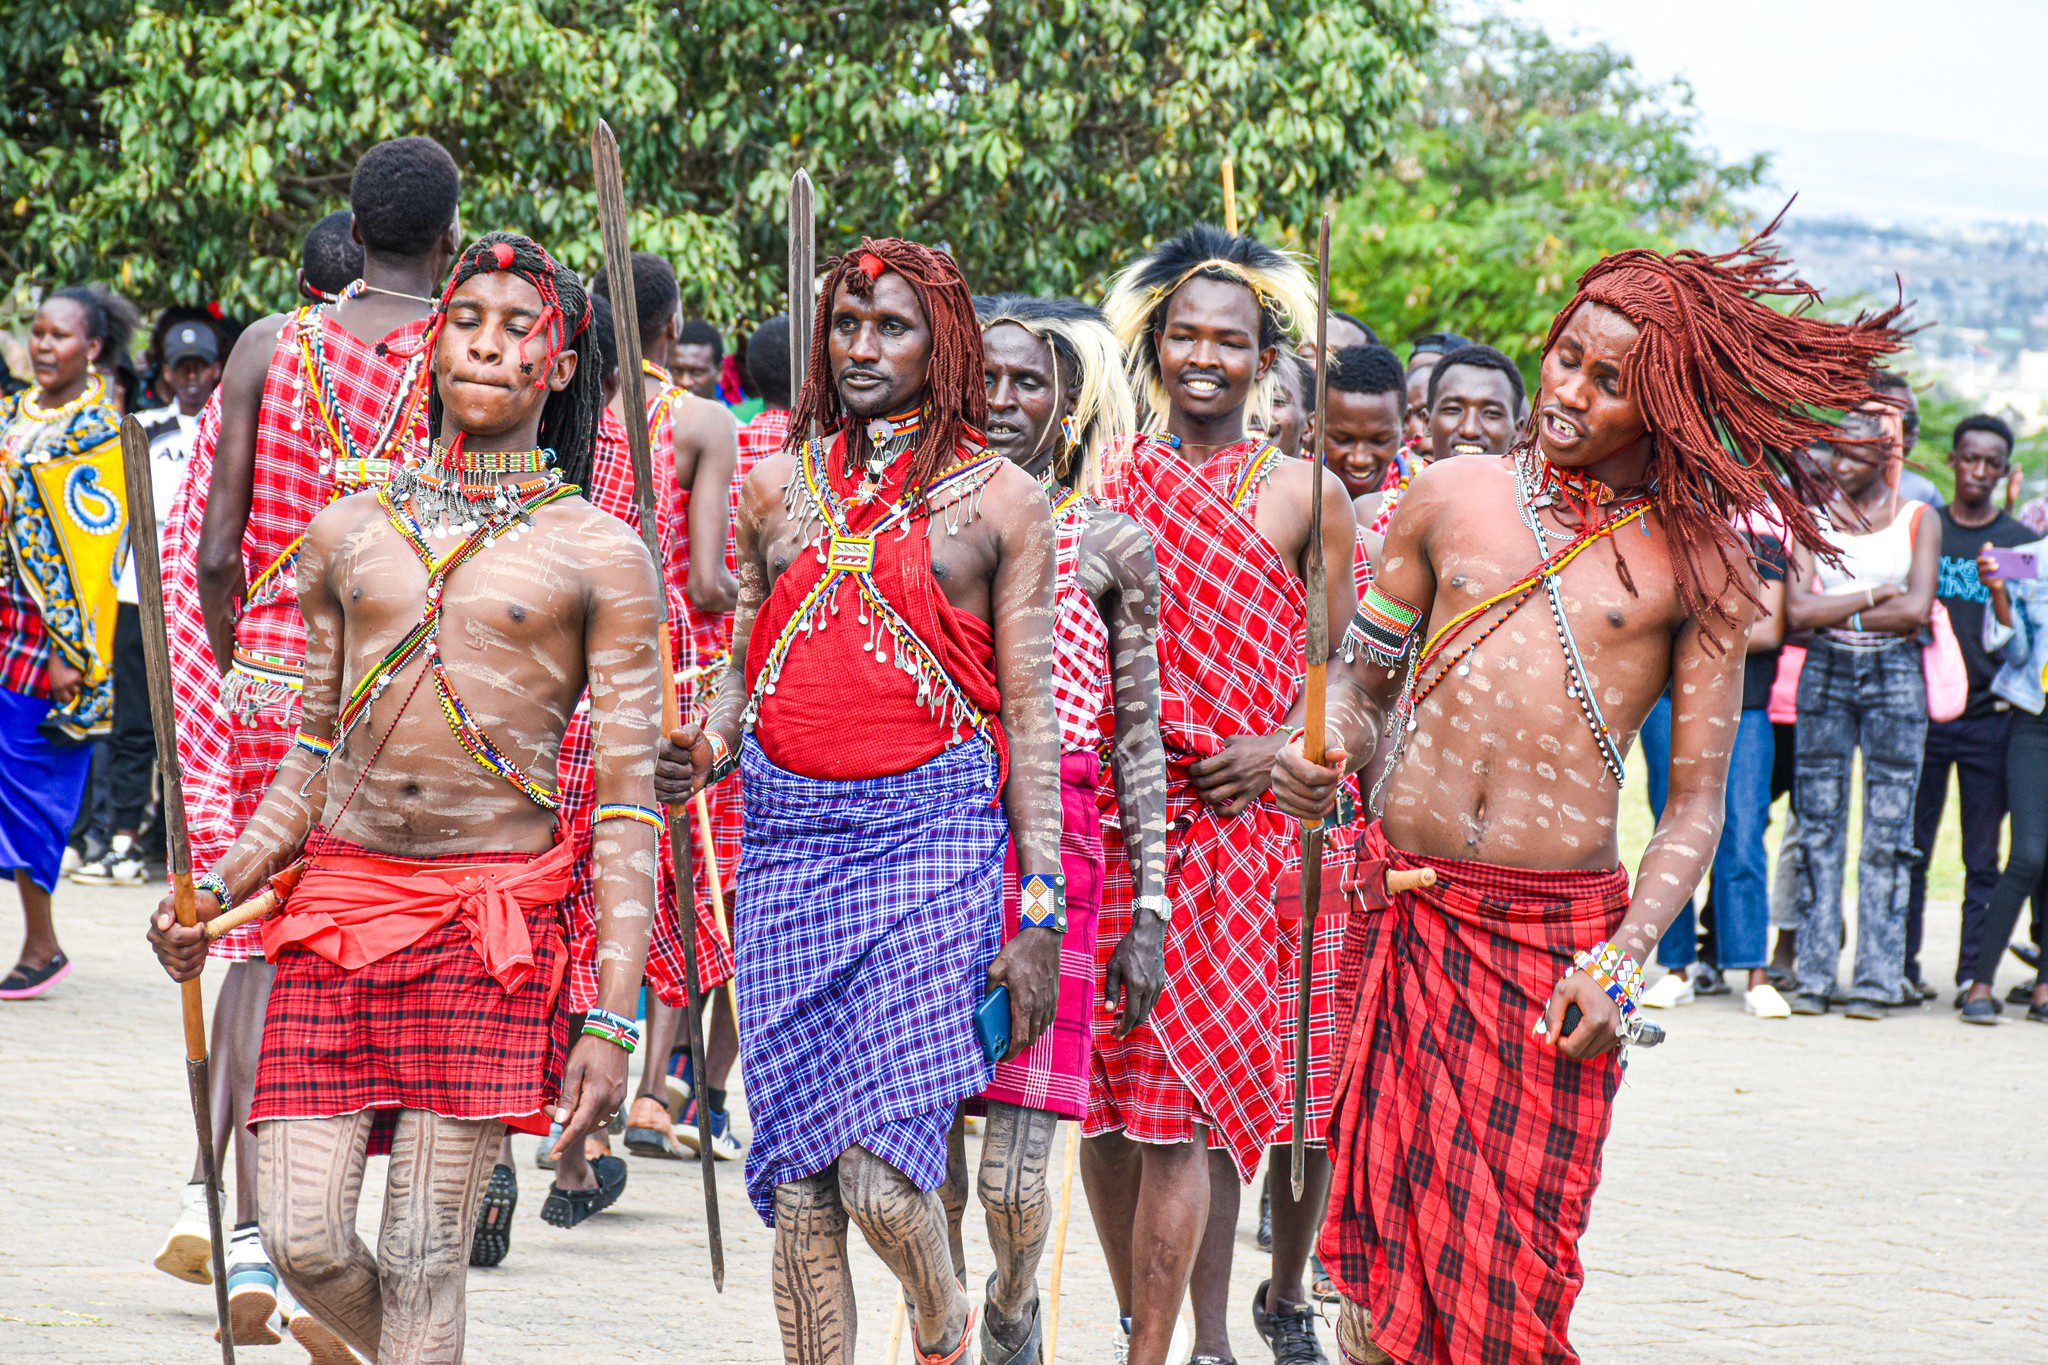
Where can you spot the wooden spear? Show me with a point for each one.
(618, 264)
(163, 713)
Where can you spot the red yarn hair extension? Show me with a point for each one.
(956, 387)
(1733, 392)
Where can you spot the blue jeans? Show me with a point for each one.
(1742, 904)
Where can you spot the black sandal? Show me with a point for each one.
(26, 982)
(567, 1208)
(493, 1239)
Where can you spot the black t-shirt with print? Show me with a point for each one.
(1760, 669)
(1960, 590)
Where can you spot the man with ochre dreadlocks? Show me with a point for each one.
(899, 565)
(1058, 399)
(314, 404)
(1573, 580)
(419, 956)
(1202, 319)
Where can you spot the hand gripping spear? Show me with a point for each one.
(618, 265)
(1315, 575)
(156, 650)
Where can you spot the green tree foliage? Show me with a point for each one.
(180, 149)
(1522, 163)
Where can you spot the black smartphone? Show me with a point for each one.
(992, 1024)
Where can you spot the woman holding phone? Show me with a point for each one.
(2016, 632)
(1862, 687)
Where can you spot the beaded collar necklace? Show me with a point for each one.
(889, 438)
(95, 392)
(446, 497)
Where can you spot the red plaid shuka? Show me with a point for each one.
(429, 1025)
(1466, 1152)
(232, 733)
(611, 490)
(1230, 624)
(1081, 685)
(1327, 955)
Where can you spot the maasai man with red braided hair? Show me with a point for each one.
(1058, 399)
(313, 404)
(419, 959)
(1527, 612)
(1182, 1107)
(892, 712)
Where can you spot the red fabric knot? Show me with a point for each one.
(872, 265)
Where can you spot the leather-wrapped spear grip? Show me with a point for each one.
(618, 265)
(163, 718)
(1316, 687)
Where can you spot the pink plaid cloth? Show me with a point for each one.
(611, 490)
(229, 747)
(1231, 621)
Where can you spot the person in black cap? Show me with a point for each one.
(190, 370)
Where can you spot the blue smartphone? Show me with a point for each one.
(992, 1024)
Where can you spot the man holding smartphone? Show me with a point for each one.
(1974, 743)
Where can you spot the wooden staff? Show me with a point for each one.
(896, 1332)
(163, 713)
(618, 264)
(1059, 1245)
(803, 277)
(1317, 689)
(1229, 196)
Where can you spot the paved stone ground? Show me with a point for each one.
(1813, 1190)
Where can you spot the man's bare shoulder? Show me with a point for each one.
(1014, 499)
(598, 533)
(700, 418)
(766, 482)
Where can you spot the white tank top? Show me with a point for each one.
(1872, 559)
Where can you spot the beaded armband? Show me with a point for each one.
(724, 763)
(619, 810)
(212, 883)
(1384, 626)
(314, 745)
(613, 1028)
(1044, 902)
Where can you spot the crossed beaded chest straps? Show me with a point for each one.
(505, 514)
(849, 558)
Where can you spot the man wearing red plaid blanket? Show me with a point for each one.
(419, 961)
(1181, 1107)
(313, 404)
(1528, 611)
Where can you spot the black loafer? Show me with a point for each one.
(1980, 1011)
(1808, 1003)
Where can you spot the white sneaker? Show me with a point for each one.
(1765, 1003)
(1669, 991)
(188, 1250)
(73, 860)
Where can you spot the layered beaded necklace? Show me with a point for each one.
(95, 392)
(457, 493)
(888, 438)
(499, 515)
(354, 465)
(1534, 488)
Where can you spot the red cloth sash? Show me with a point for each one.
(1465, 1152)
(354, 907)
(1231, 617)
(832, 679)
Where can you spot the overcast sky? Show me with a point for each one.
(1886, 109)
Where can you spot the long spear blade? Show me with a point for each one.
(803, 276)
(163, 718)
(618, 266)
(1316, 687)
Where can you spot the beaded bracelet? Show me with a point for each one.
(1044, 898)
(619, 810)
(724, 763)
(1618, 974)
(616, 1029)
(313, 744)
(214, 885)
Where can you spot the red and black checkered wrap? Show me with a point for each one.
(426, 1027)
(611, 490)
(1466, 1152)
(1230, 623)
(1326, 958)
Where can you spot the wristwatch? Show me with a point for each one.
(1159, 903)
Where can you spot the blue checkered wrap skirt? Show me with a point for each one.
(867, 917)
